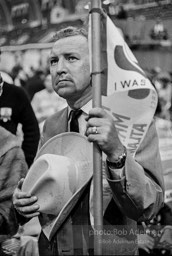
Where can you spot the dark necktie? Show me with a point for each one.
(74, 125)
(76, 219)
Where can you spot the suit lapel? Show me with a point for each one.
(56, 124)
(61, 122)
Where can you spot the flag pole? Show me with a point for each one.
(97, 154)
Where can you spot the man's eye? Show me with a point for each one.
(53, 62)
(72, 58)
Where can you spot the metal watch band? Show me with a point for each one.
(120, 162)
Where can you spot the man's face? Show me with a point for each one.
(69, 67)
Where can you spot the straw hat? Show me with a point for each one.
(61, 171)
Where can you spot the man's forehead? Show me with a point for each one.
(71, 44)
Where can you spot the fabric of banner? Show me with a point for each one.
(128, 95)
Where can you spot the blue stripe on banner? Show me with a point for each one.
(123, 62)
(139, 94)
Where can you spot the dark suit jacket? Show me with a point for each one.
(136, 196)
(14, 99)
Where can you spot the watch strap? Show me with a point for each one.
(118, 164)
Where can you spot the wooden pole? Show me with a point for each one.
(97, 154)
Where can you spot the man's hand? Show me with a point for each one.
(24, 202)
(145, 242)
(101, 129)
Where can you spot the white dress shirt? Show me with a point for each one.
(114, 173)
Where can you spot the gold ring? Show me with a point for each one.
(94, 130)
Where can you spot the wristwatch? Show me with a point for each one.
(118, 164)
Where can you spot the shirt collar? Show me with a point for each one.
(86, 108)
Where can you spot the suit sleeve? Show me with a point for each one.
(139, 193)
(30, 131)
(13, 168)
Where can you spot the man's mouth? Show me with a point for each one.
(62, 81)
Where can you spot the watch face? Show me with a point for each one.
(119, 163)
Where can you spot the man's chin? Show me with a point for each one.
(64, 94)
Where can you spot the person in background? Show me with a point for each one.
(13, 167)
(132, 187)
(159, 32)
(46, 102)
(121, 13)
(35, 83)
(19, 76)
(163, 85)
(15, 110)
(156, 236)
(6, 77)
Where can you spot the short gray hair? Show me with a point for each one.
(70, 31)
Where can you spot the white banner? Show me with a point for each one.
(130, 97)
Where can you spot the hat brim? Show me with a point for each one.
(69, 144)
(76, 147)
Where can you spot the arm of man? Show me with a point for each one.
(30, 129)
(145, 242)
(138, 192)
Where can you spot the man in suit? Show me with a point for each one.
(133, 188)
(16, 109)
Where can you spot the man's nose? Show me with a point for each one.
(61, 67)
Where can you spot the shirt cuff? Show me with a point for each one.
(115, 174)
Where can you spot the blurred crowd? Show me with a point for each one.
(154, 237)
(38, 87)
(26, 100)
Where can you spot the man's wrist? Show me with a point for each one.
(120, 162)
